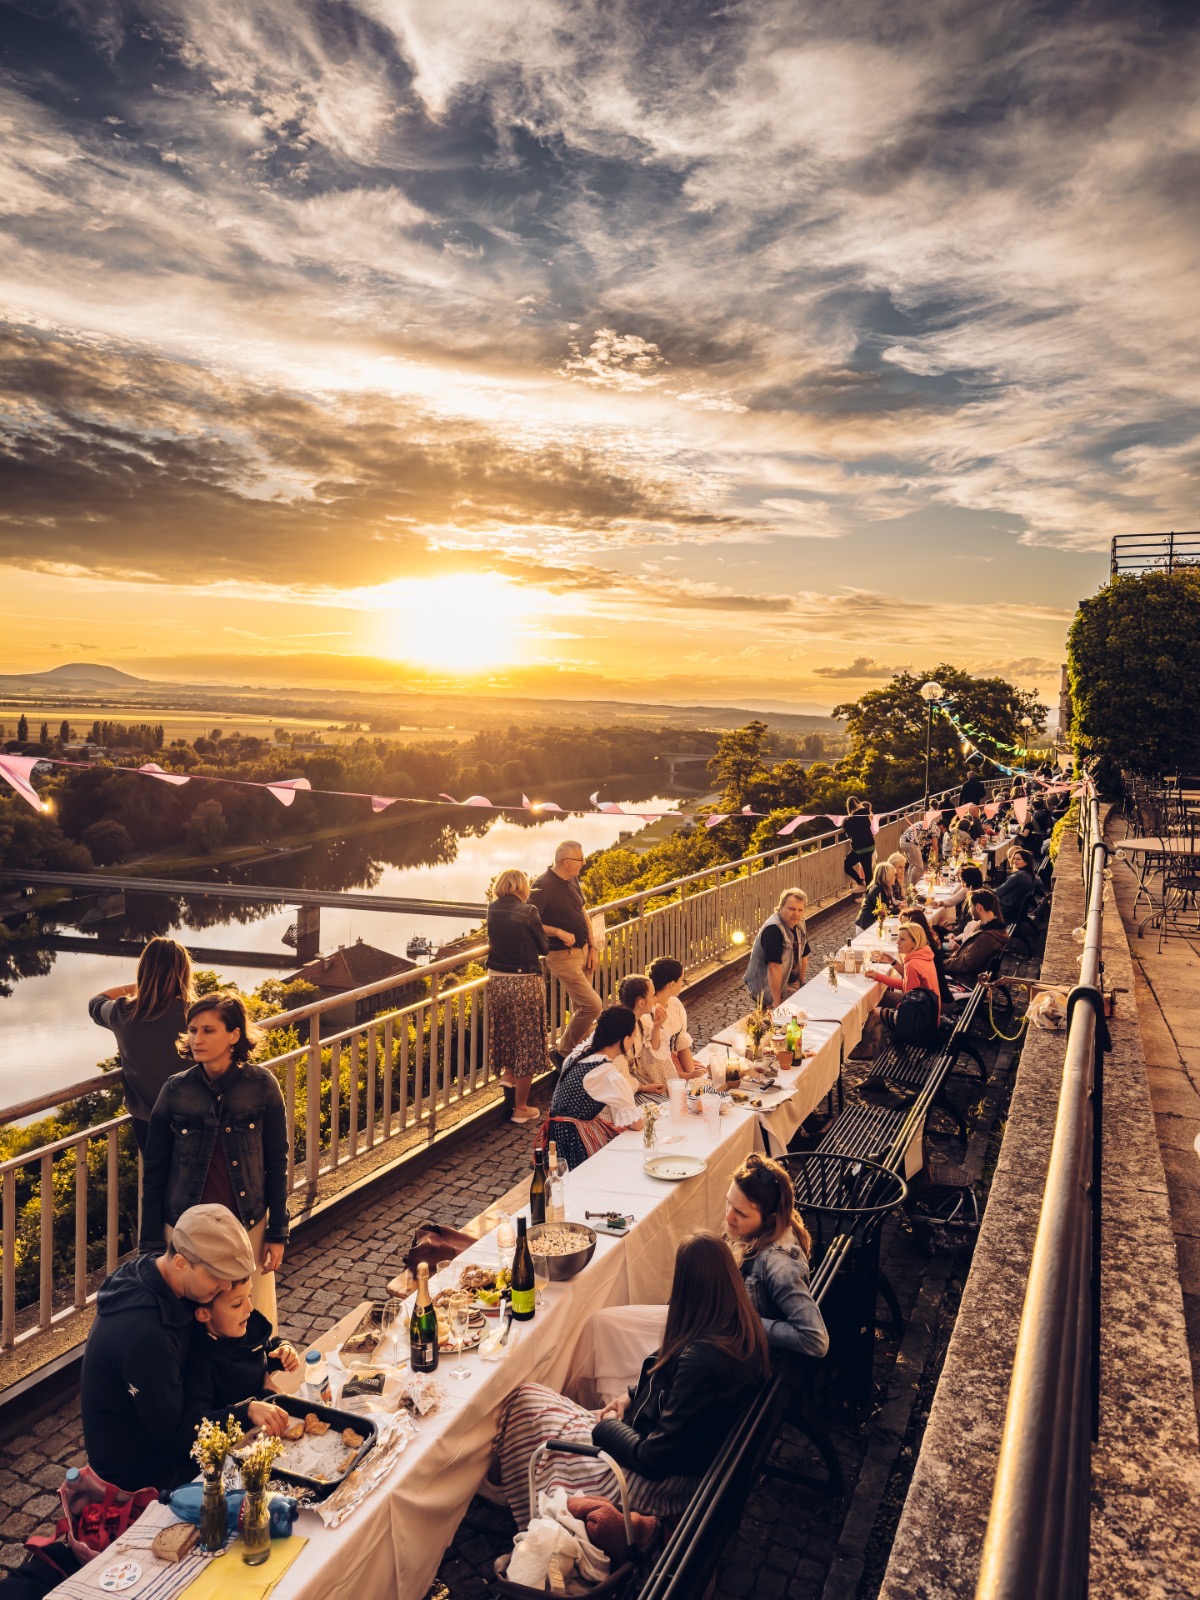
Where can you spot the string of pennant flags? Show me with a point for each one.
(18, 771)
(971, 737)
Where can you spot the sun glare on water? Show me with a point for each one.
(465, 622)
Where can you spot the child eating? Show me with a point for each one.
(234, 1353)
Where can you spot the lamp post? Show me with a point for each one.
(930, 692)
(1027, 724)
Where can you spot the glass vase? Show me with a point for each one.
(256, 1528)
(214, 1517)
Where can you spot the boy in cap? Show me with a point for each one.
(139, 1421)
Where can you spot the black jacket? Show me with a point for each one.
(147, 1049)
(221, 1373)
(875, 897)
(516, 937)
(857, 829)
(972, 792)
(679, 1417)
(1014, 892)
(137, 1424)
(244, 1108)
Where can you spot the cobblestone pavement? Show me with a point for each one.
(788, 1537)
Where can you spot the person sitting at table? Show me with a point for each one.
(664, 1431)
(668, 1052)
(898, 862)
(1013, 894)
(234, 1354)
(912, 968)
(594, 1097)
(971, 824)
(636, 993)
(984, 941)
(952, 913)
(772, 1247)
(857, 828)
(880, 895)
(917, 917)
(779, 957)
(1039, 811)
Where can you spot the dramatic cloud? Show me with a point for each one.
(312, 296)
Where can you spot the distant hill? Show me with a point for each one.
(76, 674)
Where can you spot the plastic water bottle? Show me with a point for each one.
(316, 1378)
(186, 1500)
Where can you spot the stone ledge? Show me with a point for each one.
(1146, 1471)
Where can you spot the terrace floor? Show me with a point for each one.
(1167, 986)
(795, 1543)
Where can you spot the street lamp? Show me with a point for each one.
(930, 692)
(1027, 724)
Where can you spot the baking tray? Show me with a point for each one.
(297, 1406)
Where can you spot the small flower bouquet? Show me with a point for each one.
(213, 1444)
(758, 1026)
(831, 974)
(257, 1460)
(651, 1116)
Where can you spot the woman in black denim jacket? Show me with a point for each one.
(218, 1135)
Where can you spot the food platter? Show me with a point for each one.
(673, 1169)
(320, 1461)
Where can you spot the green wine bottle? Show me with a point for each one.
(524, 1293)
(423, 1330)
(537, 1190)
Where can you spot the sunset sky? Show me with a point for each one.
(680, 350)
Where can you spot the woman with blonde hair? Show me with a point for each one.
(147, 1018)
(516, 991)
(880, 895)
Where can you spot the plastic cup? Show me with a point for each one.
(717, 1073)
(677, 1094)
(712, 1115)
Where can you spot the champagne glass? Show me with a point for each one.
(458, 1314)
(541, 1275)
(444, 1274)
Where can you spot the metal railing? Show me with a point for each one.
(1037, 1541)
(1133, 554)
(378, 1080)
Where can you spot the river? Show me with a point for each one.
(48, 1041)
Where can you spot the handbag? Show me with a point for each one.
(96, 1513)
(434, 1242)
(915, 1020)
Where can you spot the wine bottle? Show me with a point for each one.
(556, 1187)
(423, 1330)
(537, 1190)
(523, 1291)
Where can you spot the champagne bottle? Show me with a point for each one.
(523, 1290)
(556, 1187)
(537, 1190)
(422, 1330)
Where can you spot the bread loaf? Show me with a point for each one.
(175, 1542)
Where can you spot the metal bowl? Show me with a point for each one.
(563, 1268)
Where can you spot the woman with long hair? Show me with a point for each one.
(516, 991)
(913, 967)
(772, 1247)
(147, 1017)
(880, 895)
(666, 1430)
(935, 936)
(218, 1136)
(594, 1097)
(859, 830)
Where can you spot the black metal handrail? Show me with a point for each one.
(1134, 553)
(1037, 1541)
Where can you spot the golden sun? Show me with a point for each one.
(464, 622)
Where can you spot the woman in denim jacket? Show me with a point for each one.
(771, 1244)
(218, 1135)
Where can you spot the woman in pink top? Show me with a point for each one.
(914, 968)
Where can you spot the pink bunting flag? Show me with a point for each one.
(449, 797)
(1021, 809)
(17, 770)
(991, 809)
(715, 819)
(962, 811)
(479, 800)
(790, 827)
(526, 803)
(380, 802)
(153, 770)
(286, 790)
(837, 821)
(540, 805)
(931, 816)
(606, 805)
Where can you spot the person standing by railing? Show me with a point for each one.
(516, 991)
(218, 1136)
(147, 1018)
(572, 954)
(859, 829)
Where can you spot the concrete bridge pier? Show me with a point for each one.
(308, 933)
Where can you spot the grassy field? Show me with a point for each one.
(190, 724)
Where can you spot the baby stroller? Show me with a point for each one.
(622, 1578)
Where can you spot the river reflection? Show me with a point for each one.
(50, 1042)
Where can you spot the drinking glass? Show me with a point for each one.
(392, 1325)
(541, 1276)
(458, 1315)
(506, 1241)
(444, 1275)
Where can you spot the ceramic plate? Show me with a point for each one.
(672, 1168)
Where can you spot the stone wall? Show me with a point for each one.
(1146, 1469)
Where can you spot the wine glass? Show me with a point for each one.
(458, 1315)
(444, 1275)
(392, 1325)
(541, 1275)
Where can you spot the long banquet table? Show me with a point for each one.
(393, 1543)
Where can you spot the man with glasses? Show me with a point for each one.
(572, 957)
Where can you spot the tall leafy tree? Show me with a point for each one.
(741, 758)
(1133, 660)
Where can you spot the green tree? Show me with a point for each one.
(23, 728)
(64, 731)
(44, 735)
(108, 841)
(207, 827)
(1133, 661)
(740, 757)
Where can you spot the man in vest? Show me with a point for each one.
(779, 959)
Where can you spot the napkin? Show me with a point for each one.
(499, 1342)
(231, 1579)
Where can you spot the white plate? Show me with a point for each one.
(671, 1169)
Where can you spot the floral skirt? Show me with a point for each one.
(533, 1416)
(517, 1023)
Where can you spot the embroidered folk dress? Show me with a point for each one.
(594, 1100)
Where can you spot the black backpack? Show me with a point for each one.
(916, 1019)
